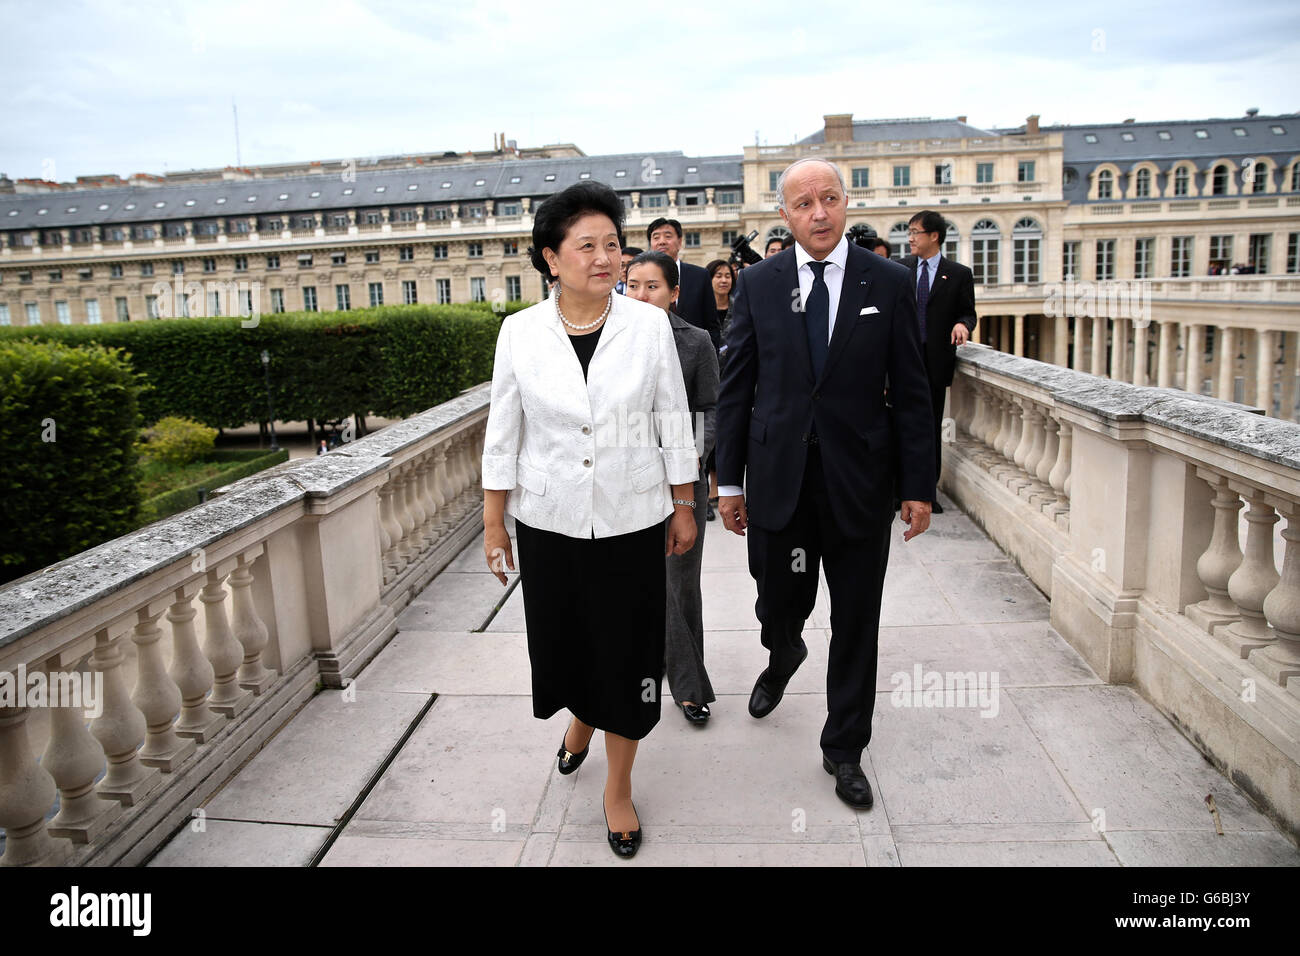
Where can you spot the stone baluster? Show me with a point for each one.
(1003, 419)
(424, 473)
(987, 422)
(405, 540)
(415, 506)
(74, 759)
(1220, 560)
(224, 652)
(25, 798)
(1011, 437)
(250, 630)
(973, 409)
(456, 461)
(1280, 661)
(120, 729)
(1060, 472)
(392, 530)
(1047, 461)
(1253, 580)
(439, 487)
(1037, 446)
(158, 698)
(191, 670)
(1028, 429)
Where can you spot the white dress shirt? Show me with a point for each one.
(834, 278)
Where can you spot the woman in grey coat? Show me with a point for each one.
(652, 277)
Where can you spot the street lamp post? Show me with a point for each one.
(270, 409)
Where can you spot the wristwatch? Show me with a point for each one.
(683, 501)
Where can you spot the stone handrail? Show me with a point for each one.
(299, 571)
(1132, 532)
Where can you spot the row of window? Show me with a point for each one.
(474, 250)
(860, 177)
(1165, 135)
(217, 303)
(1222, 256)
(1254, 179)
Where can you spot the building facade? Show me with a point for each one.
(1092, 246)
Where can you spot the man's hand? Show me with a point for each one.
(960, 334)
(734, 517)
(915, 514)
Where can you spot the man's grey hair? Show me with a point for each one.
(780, 182)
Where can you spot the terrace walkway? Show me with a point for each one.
(433, 757)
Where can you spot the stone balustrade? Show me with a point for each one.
(283, 582)
(1132, 531)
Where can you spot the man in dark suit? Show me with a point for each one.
(695, 302)
(945, 309)
(802, 423)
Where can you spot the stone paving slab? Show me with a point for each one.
(476, 785)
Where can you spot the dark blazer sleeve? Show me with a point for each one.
(966, 299)
(736, 391)
(909, 396)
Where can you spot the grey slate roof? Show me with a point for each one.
(468, 182)
(868, 131)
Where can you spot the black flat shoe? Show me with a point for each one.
(851, 784)
(695, 714)
(623, 844)
(570, 762)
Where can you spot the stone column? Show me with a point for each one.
(1165, 351)
(1226, 346)
(1098, 346)
(1140, 353)
(1265, 347)
(1061, 345)
(1119, 371)
(1288, 377)
(1018, 323)
(1194, 358)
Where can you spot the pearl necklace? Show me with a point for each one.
(590, 325)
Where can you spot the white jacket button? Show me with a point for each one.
(586, 463)
(586, 429)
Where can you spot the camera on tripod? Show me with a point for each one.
(742, 251)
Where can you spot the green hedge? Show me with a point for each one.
(244, 462)
(390, 361)
(69, 420)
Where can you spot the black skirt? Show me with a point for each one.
(594, 609)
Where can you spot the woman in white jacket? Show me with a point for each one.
(589, 427)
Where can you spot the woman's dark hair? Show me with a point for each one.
(713, 267)
(667, 265)
(559, 212)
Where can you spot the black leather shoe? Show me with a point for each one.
(936, 508)
(623, 844)
(696, 714)
(768, 691)
(851, 784)
(710, 515)
(570, 762)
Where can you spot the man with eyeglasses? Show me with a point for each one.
(945, 309)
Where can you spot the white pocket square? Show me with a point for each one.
(870, 310)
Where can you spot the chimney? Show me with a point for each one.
(839, 128)
(961, 119)
(1253, 112)
(1031, 125)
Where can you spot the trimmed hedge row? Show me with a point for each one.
(69, 420)
(391, 361)
(243, 462)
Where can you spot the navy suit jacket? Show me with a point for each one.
(769, 401)
(696, 303)
(952, 300)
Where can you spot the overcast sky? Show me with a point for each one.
(122, 87)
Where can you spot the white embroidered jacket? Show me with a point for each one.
(592, 458)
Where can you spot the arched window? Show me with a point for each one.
(898, 239)
(1142, 184)
(1219, 181)
(1105, 184)
(1259, 174)
(952, 243)
(1026, 242)
(1295, 177)
(1182, 181)
(776, 232)
(985, 238)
